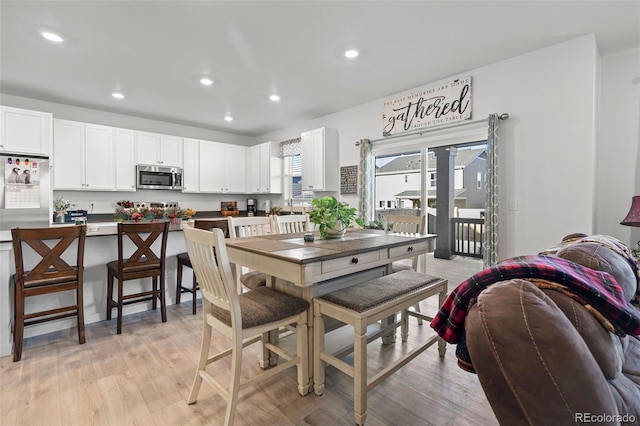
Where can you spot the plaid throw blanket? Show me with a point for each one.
(590, 287)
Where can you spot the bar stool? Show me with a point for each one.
(242, 318)
(143, 263)
(412, 225)
(183, 260)
(51, 274)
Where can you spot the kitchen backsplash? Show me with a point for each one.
(105, 202)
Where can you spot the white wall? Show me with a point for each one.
(617, 153)
(546, 148)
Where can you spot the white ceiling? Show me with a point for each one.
(156, 52)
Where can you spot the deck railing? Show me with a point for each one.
(466, 236)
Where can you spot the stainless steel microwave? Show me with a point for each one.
(158, 177)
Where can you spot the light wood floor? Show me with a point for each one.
(143, 377)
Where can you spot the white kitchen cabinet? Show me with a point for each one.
(83, 156)
(23, 131)
(156, 149)
(222, 168)
(125, 163)
(191, 172)
(320, 160)
(264, 168)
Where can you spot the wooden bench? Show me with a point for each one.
(362, 305)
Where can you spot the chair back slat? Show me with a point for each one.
(248, 226)
(401, 223)
(208, 254)
(49, 266)
(143, 235)
(294, 223)
(208, 224)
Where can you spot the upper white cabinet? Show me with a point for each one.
(159, 149)
(320, 160)
(125, 164)
(191, 171)
(265, 169)
(24, 131)
(83, 155)
(222, 168)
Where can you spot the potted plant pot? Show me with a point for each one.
(338, 230)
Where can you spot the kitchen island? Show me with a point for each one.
(101, 247)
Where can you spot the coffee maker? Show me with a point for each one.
(251, 206)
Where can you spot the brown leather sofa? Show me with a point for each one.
(542, 358)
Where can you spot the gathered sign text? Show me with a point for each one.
(428, 106)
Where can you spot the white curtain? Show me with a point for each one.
(491, 235)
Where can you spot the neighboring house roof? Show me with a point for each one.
(414, 194)
(411, 163)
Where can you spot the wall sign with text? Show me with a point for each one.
(427, 107)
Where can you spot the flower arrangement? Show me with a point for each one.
(125, 211)
(60, 206)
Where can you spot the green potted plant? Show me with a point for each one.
(332, 216)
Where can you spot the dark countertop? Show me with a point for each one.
(211, 214)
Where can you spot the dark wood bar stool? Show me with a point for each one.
(51, 274)
(145, 262)
(183, 260)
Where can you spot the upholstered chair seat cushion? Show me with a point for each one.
(253, 280)
(362, 297)
(136, 267)
(261, 306)
(401, 266)
(184, 259)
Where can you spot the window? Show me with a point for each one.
(293, 180)
(432, 180)
(479, 180)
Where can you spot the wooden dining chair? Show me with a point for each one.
(411, 225)
(184, 261)
(293, 223)
(51, 249)
(243, 318)
(249, 227)
(147, 261)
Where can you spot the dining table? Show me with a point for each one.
(310, 269)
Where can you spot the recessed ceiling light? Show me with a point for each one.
(206, 81)
(52, 37)
(117, 95)
(274, 98)
(351, 53)
(228, 118)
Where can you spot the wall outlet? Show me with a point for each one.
(513, 204)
